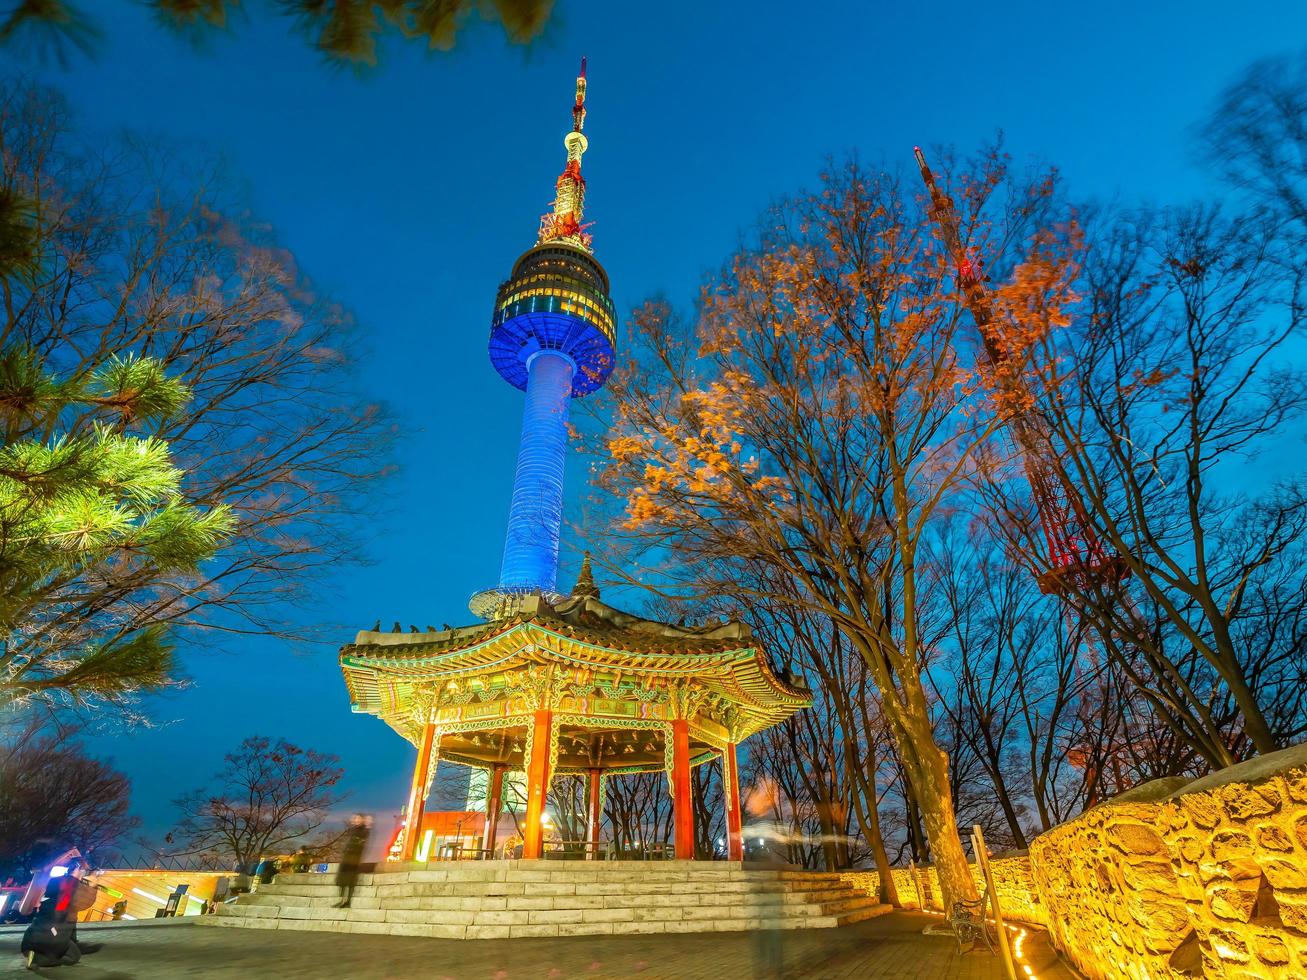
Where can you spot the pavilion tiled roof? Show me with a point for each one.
(382, 668)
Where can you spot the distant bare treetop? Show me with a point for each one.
(269, 798)
(345, 31)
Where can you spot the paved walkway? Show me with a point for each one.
(888, 946)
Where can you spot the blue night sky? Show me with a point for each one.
(408, 193)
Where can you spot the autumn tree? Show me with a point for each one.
(814, 420)
(164, 355)
(268, 798)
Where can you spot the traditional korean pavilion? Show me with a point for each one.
(563, 684)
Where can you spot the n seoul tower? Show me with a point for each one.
(553, 336)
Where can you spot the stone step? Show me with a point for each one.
(507, 899)
(848, 905)
(329, 894)
(504, 931)
(564, 872)
(525, 916)
(861, 915)
(438, 897)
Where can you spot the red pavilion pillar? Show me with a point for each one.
(731, 794)
(417, 793)
(537, 784)
(683, 811)
(596, 815)
(494, 805)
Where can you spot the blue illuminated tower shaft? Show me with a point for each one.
(536, 515)
(552, 335)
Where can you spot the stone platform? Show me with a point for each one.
(507, 899)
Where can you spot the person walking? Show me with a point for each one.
(356, 842)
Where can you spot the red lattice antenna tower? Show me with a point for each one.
(1073, 547)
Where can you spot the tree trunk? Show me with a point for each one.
(926, 766)
(867, 812)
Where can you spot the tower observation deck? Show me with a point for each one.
(552, 335)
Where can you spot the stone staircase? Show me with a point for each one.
(503, 899)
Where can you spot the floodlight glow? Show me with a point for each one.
(58, 871)
(153, 898)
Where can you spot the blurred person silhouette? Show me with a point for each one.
(356, 842)
(763, 806)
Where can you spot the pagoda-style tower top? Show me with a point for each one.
(563, 223)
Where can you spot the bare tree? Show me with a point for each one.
(138, 255)
(54, 796)
(1156, 398)
(266, 798)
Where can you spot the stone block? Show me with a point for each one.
(1295, 783)
(708, 912)
(487, 932)
(507, 918)
(1273, 837)
(1231, 845)
(554, 916)
(445, 917)
(1285, 873)
(1233, 903)
(1244, 802)
(607, 915)
(550, 888)
(427, 876)
(1137, 840)
(531, 902)
(606, 888)
(429, 930)
(1270, 948)
(1228, 945)
(1204, 811)
(641, 928)
(491, 888)
(589, 928)
(1300, 831)
(532, 931)
(657, 915)
(534, 875)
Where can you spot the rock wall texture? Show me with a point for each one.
(1209, 881)
(1171, 880)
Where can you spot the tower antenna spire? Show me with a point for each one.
(563, 223)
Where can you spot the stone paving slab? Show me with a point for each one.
(890, 946)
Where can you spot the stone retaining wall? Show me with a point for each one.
(1171, 880)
